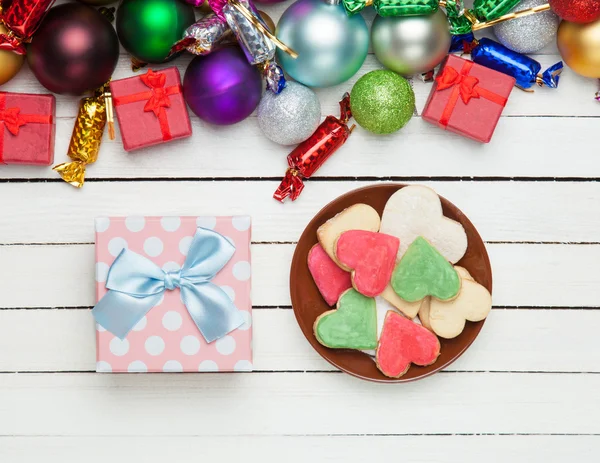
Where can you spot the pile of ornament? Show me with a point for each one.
(73, 49)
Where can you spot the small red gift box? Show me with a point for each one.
(150, 108)
(468, 99)
(27, 128)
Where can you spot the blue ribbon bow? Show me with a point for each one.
(136, 285)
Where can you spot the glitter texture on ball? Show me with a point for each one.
(530, 33)
(290, 117)
(382, 102)
(577, 11)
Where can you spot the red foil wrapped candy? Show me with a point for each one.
(309, 155)
(21, 18)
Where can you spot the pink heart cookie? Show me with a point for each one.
(331, 280)
(371, 258)
(403, 342)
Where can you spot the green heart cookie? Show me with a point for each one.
(352, 326)
(422, 272)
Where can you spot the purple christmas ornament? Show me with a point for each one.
(222, 88)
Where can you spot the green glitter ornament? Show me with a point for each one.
(149, 28)
(382, 102)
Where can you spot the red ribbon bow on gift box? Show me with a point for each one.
(465, 86)
(13, 120)
(157, 99)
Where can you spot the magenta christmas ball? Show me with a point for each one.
(222, 88)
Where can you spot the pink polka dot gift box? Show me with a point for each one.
(173, 294)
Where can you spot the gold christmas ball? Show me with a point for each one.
(579, 46)
(10, 62)
(268, 21)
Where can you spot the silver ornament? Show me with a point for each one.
(411, 44)
(291, 116)
(530, 33)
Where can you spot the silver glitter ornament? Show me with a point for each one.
(291, 116)
(411, 44)
(530, 33)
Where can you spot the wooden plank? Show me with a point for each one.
(512, 340)
(522, 147)
(299, 449)
(502, 211)
(524, 275)
(289, 404)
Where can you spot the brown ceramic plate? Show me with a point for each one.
(308, 303)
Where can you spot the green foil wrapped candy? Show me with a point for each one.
(487, 10)
(382, 102)
(406, 7)
(149, 28)
(393, 7)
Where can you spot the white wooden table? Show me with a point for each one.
(526, 391)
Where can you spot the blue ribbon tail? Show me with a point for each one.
(551, 76)
(119, 312)
(212, 310)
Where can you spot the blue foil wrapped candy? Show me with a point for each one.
(524, 69)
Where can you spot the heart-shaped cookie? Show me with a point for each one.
(370, 257)
(417, 211)
(330, 279)
(357, 217)
(403, 342)
(448, 319)
(423, 272)
(352, 326)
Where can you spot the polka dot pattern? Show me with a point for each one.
(172, 366)
(101, 272)
(155, 345)
(139, 326)
(242, 365)
(208, 365)
(241, 223)
(207, 222)
(241, 270)
(103, 367)
(225, 345)
(172, 320)
(135, 224)
(190, 345)
(166, 339)
(116, 245)
(170, 224)
(137, 366)
(119, 347)
(102, 224)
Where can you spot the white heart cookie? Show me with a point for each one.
(447, 319)
(417, 211)
(357, 217)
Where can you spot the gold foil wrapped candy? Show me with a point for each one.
(94, 113)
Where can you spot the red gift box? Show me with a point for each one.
(27, 128)
(150, 108)
(468, 99)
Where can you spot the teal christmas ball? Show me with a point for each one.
(331, 45)
(382, 102)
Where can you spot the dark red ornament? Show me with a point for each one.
(577, 11)
(75, 50)
(309, 155)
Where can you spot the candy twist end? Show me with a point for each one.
(72, 172)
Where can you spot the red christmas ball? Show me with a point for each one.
(577, 11)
